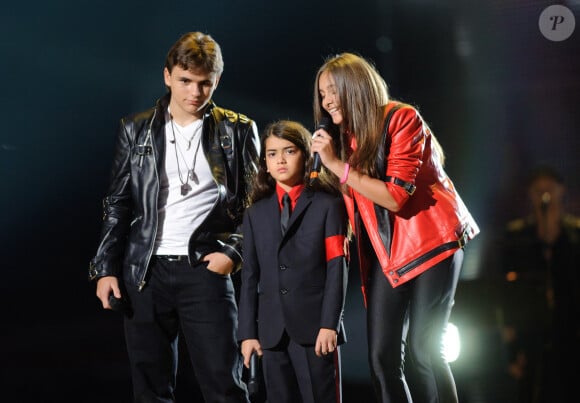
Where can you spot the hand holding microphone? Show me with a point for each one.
(326, 124)
(254, 380)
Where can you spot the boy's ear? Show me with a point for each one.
(167, 77)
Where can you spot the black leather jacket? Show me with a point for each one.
(231, 145)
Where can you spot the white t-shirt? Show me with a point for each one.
(181, 212)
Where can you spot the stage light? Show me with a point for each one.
(451, 343)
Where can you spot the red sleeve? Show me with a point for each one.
(407, 133)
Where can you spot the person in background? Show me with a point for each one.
(294, 274)
(171, 234)
(409, 222)
(541, 311)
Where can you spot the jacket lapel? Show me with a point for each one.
(302, 204)
(210, 142)
(270, 219)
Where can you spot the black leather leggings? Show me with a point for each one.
(411, 318)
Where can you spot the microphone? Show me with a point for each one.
(325, 123)
(253, 380)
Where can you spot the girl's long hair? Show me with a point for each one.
(363, 96)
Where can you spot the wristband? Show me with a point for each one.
(345, 174)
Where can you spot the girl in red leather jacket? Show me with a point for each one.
(410, 224)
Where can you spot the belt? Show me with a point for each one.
(172, 258)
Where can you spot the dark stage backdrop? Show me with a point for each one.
(499, 92)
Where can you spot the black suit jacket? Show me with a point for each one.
(287, 282)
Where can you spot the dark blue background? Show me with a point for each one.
(499, 96)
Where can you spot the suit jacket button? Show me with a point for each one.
(283, 267)
(283, 291)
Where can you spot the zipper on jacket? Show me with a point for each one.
(148, 259)
(460, 243)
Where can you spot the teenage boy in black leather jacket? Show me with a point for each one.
(171, 229)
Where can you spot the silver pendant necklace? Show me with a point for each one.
(191, 175)
(188, 140)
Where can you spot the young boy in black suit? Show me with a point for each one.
(294, 280)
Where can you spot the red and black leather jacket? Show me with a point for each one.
(432, 223)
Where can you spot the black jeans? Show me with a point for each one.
(411, 317)
(202, 304)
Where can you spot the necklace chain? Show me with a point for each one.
(189, 140)
(185, 186)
